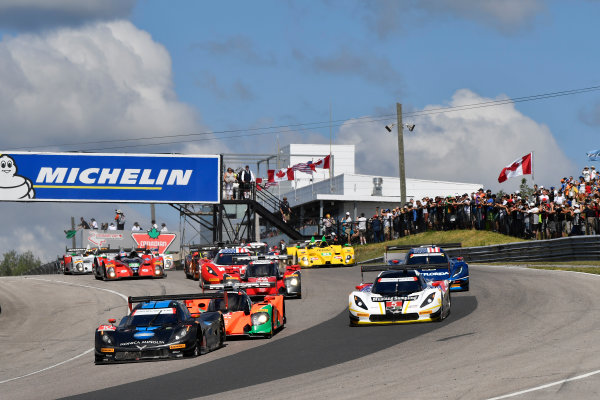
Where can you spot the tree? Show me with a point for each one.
(14, 263)
(524, 189)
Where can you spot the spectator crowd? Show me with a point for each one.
(118, 224)
(570, 208)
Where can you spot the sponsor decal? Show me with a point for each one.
(425, 312)
(98, 238)
(107, 328)
(394, 298)
(162, 241)
(154, 311)
(326, 253)
(143, 342)
(107, 350)
(109, 177)
(393, 304)
(143, 335)
(402, 279)
(427, 273)
(177, 346)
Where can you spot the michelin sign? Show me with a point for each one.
(99, 177)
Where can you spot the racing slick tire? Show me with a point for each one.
(222, 333)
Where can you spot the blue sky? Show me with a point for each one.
(74, 72)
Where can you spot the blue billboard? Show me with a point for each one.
(99, 177)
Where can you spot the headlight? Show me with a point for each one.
(211, 271)
(293, 281)
(348, 257)
(428, 300)
(106, 339)
(157, 271)
(80, 267)
(358, 301)
(304, 259)
(260, 318)
(111, 272)
(182, 333)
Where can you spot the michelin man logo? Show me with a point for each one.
(13, 186)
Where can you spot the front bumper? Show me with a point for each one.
(112, 355)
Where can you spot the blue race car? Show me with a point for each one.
(434, 264)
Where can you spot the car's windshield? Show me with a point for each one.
(432, 258)
(396, 286)
(229, 259)
(261, 270)
(234, 303)
(152, 317)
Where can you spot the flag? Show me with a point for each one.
(322, 162)
(521, 166)
(307, 167)
(70, 233)
(285, 174)
(593, 155)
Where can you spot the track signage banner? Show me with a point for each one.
(105, 177)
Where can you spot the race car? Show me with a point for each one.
(319, 253)
(434, 264)
(265, 274)
(78, 261)
(224, 266)
(197, 256)
(398, 295)
(242, 316)
(159, 327)
(129, 264)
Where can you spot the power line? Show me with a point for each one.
(283, 129)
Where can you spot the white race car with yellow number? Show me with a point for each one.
(398, 295)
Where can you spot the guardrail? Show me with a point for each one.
(575, 248)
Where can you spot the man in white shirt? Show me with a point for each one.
(94, 224)
(112, 227)
(136, 227)
(163, 228)
(347, 224)
(362, 228)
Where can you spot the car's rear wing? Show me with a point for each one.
(192, 296)
(424, 269)
(245, 256)
(236, 285)
(405, 247)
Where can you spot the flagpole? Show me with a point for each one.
(330, 145)
(532, 169)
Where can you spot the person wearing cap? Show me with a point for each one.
(93, 224)
(120, 220)
(586, 174)
(347, 226)
(136, 227)
(112, 227)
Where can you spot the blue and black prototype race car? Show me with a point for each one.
(433, 264)
(160, 327)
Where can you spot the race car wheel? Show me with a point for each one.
(222, 334)
(187, 276)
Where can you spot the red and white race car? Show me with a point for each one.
(136, 263)
(227, 265)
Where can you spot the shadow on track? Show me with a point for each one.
(329, 343)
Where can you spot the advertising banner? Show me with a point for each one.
(103, 177)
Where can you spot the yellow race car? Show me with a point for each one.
(320, 253)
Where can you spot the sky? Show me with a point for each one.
(88, 75)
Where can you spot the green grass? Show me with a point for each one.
(468, 238)
(589, 270)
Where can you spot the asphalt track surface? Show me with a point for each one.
(516, 330)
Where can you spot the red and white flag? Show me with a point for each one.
(322, 162)
(307, 167)
(285, 174)
(521, 166)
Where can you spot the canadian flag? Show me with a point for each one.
(285, 174)
(521, 166)
(322, 162)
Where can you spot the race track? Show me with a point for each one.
(516, 330)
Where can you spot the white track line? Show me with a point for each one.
(506, 396)
(79, 355)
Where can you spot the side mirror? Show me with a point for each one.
(112, 320)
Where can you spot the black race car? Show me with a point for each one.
(160, 327)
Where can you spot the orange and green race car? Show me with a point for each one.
(242, 316)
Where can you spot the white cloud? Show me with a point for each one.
(101, 82)
(43, 14)
(465, 146)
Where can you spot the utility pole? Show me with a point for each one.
(401, 154)
(152, 212)
(73, 228)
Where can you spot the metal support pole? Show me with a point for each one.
(320, 216)
(73, 228)
(401, 154)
